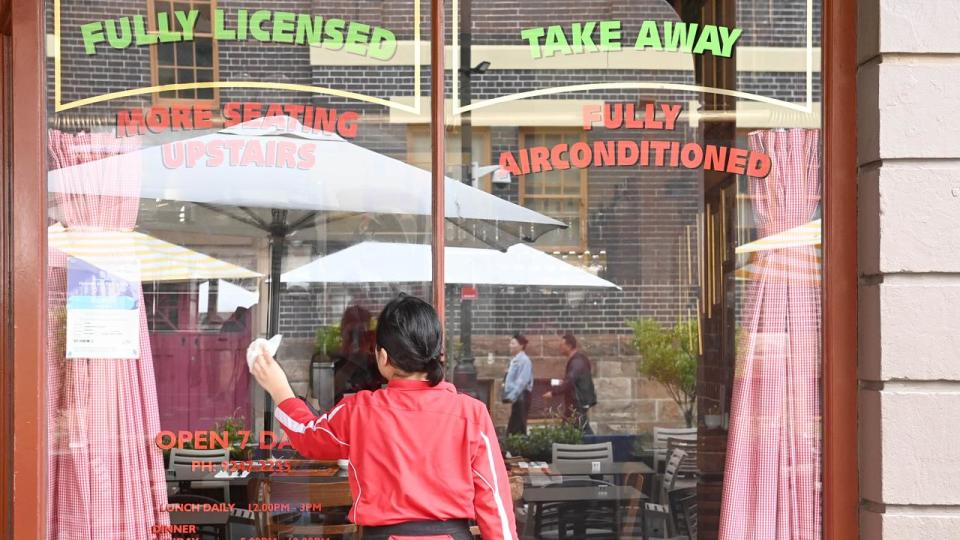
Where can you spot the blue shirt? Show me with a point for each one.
(519, 377)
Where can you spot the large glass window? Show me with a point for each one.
(633, 196)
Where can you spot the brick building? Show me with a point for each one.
(642, 223)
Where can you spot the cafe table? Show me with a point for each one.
(616, 468)
(253, 481)
(537, 496)
(621, 470)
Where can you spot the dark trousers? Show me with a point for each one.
(583, 421)
(519, 413)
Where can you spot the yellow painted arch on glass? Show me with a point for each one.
(415, 109)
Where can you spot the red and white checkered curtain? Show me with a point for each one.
(771, 488)
(105, 474)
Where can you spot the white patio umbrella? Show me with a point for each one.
(396, 262)
(345, 182)
(807, 234)
(229, 297)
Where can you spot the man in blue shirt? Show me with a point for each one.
(518, 385)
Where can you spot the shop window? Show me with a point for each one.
(559, 194)
(185, 62)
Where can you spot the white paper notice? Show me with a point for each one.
(103, 313)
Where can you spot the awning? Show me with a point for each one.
(154, 259)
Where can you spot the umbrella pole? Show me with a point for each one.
(437, 175)
(465, 373)
(278, 235)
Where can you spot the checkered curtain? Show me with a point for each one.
(771, 488)
(105, 474)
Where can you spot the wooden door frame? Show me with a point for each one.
(841, 480)
(28, 272)
(26, 244)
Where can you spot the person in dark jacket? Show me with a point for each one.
(577, 385)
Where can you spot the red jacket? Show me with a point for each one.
(416, 453)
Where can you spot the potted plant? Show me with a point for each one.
(326, 341)
(233, 426)
(537, 444)
(713, 418)
(669, 355)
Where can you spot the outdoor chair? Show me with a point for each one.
(578, 453)
(660, 436)
(657, 515)
(677, 457)
(683, 508)
(598, 520)
(205, 531)
(182, 459)
(690, 467)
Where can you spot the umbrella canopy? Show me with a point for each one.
(229, 297)
(395, 262)
(136, 256)
(807, 234)
(341, 179)
(794, 266)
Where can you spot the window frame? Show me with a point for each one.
(584, 197)
(25, 401)
(423, 131)
(158, 99)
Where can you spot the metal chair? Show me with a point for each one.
(183, 459)
(657, 516)
(660, 436)
(683, 508)
(689, 468)
(676, 460)
(600, 519)
(573, 453)
(204, 531)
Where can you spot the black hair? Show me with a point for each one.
(409, 329)
(570, 341)
(522, 340)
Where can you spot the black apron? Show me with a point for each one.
(454, 529)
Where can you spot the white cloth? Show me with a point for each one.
(254, 349)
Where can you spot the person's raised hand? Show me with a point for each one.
(271, 376)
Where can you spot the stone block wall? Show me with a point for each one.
(909, 212)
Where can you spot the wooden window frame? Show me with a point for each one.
(213, 103)
(584, 203)
(25, 243)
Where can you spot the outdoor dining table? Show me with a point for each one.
(184, 477)
(616, 468)
(251, 481)
(621, 470)
(540, 495)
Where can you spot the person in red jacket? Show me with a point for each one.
(424, 459)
